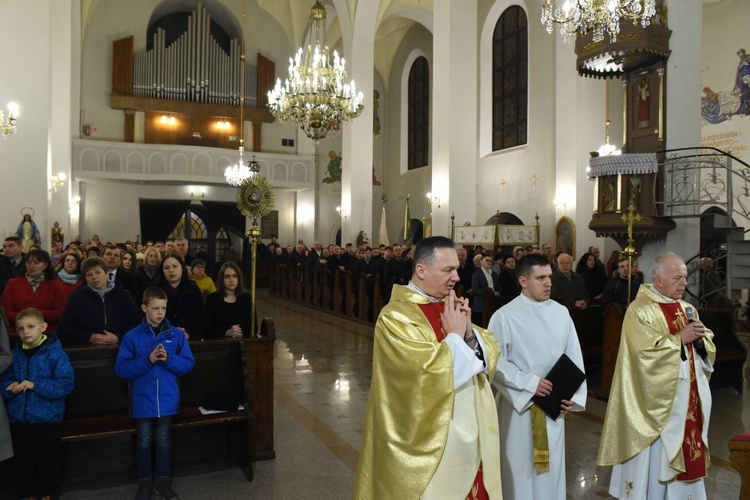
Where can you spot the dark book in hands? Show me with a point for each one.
(566, 378)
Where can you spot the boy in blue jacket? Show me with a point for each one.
(151, 357)
(34, 389)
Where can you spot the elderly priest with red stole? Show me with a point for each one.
(431, 430)
(656, 428)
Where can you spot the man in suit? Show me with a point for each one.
(480, 283)
(113, 257)
(12, 261)
(568, 287)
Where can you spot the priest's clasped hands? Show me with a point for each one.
(692, 332)
(456, 315)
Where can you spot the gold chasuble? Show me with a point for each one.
(645, 384)
(423, 438)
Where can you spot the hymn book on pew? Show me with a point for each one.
(566, 378)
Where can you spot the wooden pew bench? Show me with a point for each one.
(98, 433)
(731, 354)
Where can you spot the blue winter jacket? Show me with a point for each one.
(154, 387)
(49, 368)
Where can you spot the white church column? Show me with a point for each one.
(568, 134)
(683, 103)
(454, 113)
(26, 68)
(61, 116)
(357, 146)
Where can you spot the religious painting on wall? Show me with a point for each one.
(644, 103)
(725, 78)
(333, 171)
(565, 234)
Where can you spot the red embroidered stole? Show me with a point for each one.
(432, 312)
(693, 448)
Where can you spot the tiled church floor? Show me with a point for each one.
(322, 377)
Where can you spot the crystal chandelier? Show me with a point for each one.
(315, 96)
(9, 127)
(237, 173)
(608, 149)
(582, 16)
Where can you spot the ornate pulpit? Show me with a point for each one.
(620, 182)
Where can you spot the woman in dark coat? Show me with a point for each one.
(99, 312)
(227, 310)
(594, 276)
(508, 278)
(184, 302)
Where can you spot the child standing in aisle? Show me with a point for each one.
(152, 357)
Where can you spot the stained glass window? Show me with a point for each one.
(419, 113)
(509, 80)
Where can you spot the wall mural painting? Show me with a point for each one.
(723, 111)
(333, 172)
(721, 105)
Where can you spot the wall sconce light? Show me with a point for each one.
(223, 124)
(432, 201)
(73, 205)
(533, 181)
(198, 194)
(57, 181)
(168, 119)
(9, 127)
(502, 185)
(561, 205)
(343, 213)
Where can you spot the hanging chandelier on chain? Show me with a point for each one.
(315, 96)
(599, 16)
(236, 174)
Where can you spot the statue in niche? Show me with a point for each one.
(58, 235)
(644, 103)
(333, 172)
(362, 239)
(28, 233)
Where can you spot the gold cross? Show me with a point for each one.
(633, 216)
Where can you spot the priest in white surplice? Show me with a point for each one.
(533, 332)
(656, 429)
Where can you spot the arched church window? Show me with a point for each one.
(419, 113)
(197, 228)
(510, 79)
(222, 242)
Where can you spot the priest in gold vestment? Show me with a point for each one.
(656, 427)
(431, 429)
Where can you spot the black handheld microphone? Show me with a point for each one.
(690, 315)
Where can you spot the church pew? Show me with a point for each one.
(731, 354)
(589, 325)
(98, 432)
(739, 458)
(613, 317)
